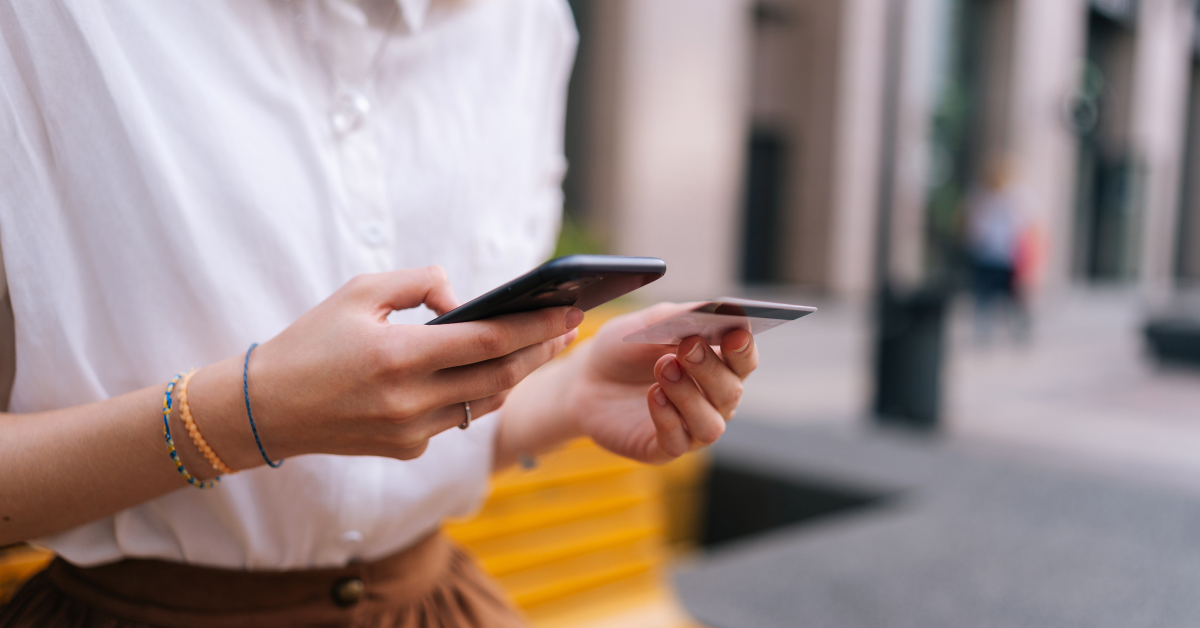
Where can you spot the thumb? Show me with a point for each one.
(407, 288)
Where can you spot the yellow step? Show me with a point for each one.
(545, 583)
(574, 464)
(638, 481)
(641, 601)
(507, 554)
(518, 561)
(18, 564)
(537, 509)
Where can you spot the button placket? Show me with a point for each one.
(357, 146)
(364, 213)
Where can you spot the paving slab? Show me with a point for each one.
(965, 539)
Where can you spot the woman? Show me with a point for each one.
(182, 180)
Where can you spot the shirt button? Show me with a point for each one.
(373, 234)
(348, 591)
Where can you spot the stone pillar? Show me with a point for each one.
(919, 91)
(1050, 46)
(819, 81)
(1162, 69)
(857, 122)
(1189, 238)
(810, 70)
(667, 136)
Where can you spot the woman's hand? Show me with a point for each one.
(342, 380)
(339, 380)
(650, 403)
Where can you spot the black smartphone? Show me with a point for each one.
(583, 281)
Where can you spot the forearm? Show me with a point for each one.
(536, 415)
(339, 380)
(63, 468)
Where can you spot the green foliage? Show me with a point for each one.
(574, 239)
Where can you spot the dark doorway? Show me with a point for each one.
(1109, 178)
(765, 174)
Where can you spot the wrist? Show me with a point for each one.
(536, 415)
(218, 406)
(569, 379)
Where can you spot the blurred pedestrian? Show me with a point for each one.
(1002, 248)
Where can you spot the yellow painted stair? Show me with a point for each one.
(581, 540)
(19, 563)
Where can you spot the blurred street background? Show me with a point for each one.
(843, 154)
(760, 143)
(994, 205)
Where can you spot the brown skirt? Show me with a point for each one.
(430, 584)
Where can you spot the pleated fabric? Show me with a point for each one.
(433, 584)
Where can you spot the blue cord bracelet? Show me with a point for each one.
(249, 414)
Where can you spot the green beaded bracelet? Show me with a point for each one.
(171, 443)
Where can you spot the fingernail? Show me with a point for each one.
(696, 355)
(744, 346)
(671, 371)
(574, 317)
(660, 397)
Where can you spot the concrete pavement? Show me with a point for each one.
(1082, 392)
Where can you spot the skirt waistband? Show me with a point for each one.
(429, 584)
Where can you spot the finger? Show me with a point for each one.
(703, 422)
(475, 381)
(672, 438)
(720, 384)
(440, 298)
(562, 342)
(408, 453)
(477, 341)
(455, 414)
(411, 440)
(404, 289)
(740, 352)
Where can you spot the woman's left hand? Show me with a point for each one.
(654, 403)
(651, 403)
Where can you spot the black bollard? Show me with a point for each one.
(908, 358)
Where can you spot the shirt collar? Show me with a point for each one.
(414, 12)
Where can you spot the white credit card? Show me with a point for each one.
(713, 319)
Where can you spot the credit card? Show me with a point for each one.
(713, 319)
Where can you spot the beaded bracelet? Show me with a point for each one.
(249, 414)
(185, 413)
(171, 443)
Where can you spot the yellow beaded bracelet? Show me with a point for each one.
(185, 412)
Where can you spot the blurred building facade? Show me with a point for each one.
(760, 141)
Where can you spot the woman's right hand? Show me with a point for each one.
(343, 380)
(340, 380)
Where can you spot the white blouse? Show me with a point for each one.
(173, 188)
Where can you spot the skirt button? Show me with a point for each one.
(348, 591)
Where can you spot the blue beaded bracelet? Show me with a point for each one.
(171, 443)
(249, 414)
